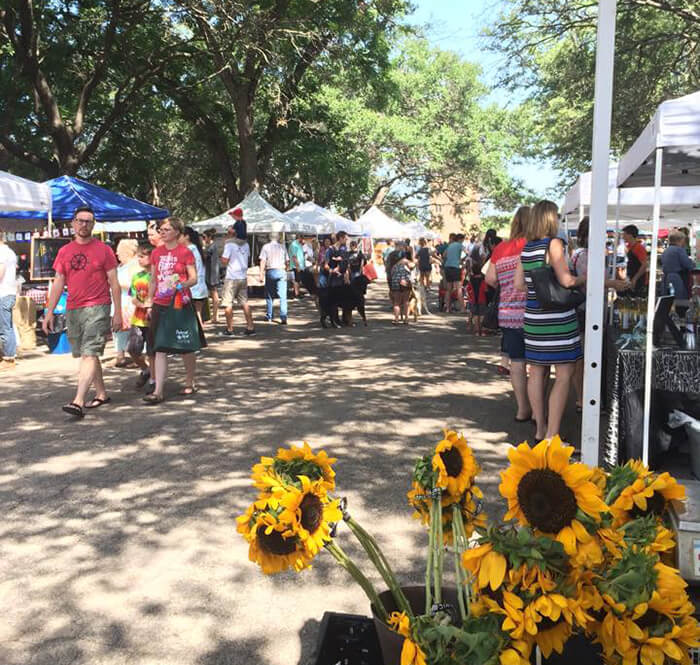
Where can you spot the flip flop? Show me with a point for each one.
(186, 392)
(523, 420)
(74, 409)
(152, 399)
(96, 402)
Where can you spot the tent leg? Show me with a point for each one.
(613, 258)
(605, 62)
(651, 305)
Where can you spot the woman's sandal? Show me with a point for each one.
(74, 409)
(96, 401)
(152, 399)
(186, 392)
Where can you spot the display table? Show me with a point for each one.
(675, 374)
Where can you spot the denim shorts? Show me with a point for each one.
(513, 343)
(88, 328)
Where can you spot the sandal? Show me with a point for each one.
(189, 391)
(74, 409)
(503, 371)
(96, 401)
(152, 399)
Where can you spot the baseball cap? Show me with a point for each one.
(236, 213)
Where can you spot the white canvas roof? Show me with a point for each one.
(20, 194)
(380, 225)
(260, 217)
(675, 127)
(324, 220)
(679, 205)
(418, 230)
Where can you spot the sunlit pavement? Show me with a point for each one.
(118, 543)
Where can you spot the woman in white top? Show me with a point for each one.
(128, 266)
(190, 238)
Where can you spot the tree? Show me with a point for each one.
(261, 52)
(549, 53)
(434, 130)
(70, 71)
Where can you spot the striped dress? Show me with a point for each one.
(551, 337)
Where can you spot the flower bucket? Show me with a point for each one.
(391, 642)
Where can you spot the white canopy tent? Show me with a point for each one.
(324, 220)
(666, 154)
(260, 217)
(681, 205)
(379, 225)
(20, 194)
(418, 230)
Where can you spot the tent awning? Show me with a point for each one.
(20, 194)
(324, 220)
(68, 193)
(380, 225)
(675, 127)
(679, 205)
(260, 217)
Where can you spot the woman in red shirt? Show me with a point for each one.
(172, 269)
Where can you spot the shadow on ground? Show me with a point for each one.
(119, 544)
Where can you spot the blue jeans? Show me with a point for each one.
(276, 287)
(8, 343)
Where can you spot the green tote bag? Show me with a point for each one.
(178, 330)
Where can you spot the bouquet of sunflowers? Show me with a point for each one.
(580, 551)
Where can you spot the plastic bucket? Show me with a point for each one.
(390, 642)
(58, 343)
(693, 432)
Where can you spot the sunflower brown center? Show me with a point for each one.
(452, 459)
(546, 624)
(311, 512)
(274, 543)
(547, 501)
(655, 505)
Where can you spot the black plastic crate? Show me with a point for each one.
(347, 639)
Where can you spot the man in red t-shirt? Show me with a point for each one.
(637, 260)
(89, 269)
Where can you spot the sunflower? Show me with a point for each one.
(647, 533)
(289, 464)
(552, 635)
(272, 544)
(546, 492)
(634, 491)
(411, 653)
(486, 565)
(454, 463)
(309, 513)
(470, 503)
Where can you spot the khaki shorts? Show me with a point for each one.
(88, 328)
(234, 289)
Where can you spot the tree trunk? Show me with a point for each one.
(248, 154)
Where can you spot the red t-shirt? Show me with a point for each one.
(640, 252)
(171, 268)
(85, 268)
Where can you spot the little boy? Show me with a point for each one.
(139, 321)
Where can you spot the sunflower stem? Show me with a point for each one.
(346, 562)
(464, 576)
(429, 565)
(458, 571)
(381, 564)
(437, 546)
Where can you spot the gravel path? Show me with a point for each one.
(118, 543)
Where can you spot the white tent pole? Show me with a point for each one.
(651, 304)
(602, 114)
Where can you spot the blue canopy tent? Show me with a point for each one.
(68, 193)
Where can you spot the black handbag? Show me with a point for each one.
(551, 295)
(490, 320)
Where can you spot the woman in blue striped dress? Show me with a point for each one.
(551, 337)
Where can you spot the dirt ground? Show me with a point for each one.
(118, 543)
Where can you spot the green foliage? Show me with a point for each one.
(549, 54)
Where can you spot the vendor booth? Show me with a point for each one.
(20, 194)
(666, 155)
(380, 226)
(325, 221)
